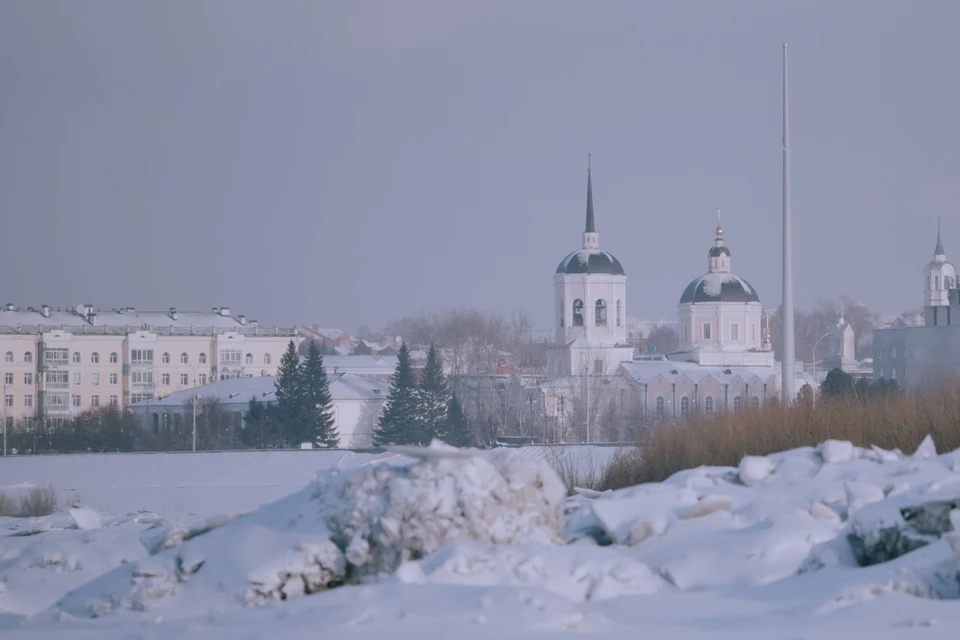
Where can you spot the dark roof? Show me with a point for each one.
(716, 252)
(719, 287)
(591, 261)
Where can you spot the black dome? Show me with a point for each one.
(716, 252)
(719, 287)
(590, 261)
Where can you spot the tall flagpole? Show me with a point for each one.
(789, 376)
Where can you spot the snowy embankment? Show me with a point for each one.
(817, 542)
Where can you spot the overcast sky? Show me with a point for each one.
(350, 162)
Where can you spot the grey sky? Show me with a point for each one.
(351, 162)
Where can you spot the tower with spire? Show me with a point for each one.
(590, 298)
(939, 278)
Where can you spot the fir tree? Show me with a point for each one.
(318, 403)
(399, 422)
(289, 409)
(456, 428)
(259, 430)
(433, 398)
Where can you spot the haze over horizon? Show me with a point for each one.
(351, 163)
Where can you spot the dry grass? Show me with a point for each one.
(38, 501)
(577, 469)
(892, 423)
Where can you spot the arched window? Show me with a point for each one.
(8, 357)
(266, 358)
(619, 316)
(95, 358)
(28, 357)
(708, 404)
(184, 358)
(684, 406)
(936, 282)
(203, 358)
(600, 316)
(248, 359)
(561, 313)
(578, 313)
(660, 407)
(165, 358)
(737, 403)
(114, 358)
(75, 358)
(755, 402)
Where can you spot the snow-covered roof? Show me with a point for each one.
(646, 371)
(719, 287)
(239, 391)
(78, 319)
(590, 261)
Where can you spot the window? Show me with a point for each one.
(114, 401)
(737, 403)
(28, 378)
(56, 401)
(140, 397)
(231, 357)
(686, 332)
(184, 379)
(57, 380)
(94, 401)
(560, 402)
(165, 379)
(8, 400)
(56, 356)
(660, 407)
(28, 401)
(893, 374)
(203, 358)
(600, 315)
(684, 406)
(203, 378)
(76, 357)
(561, 313)
(705, 328)
(114, 379)
(94, 358)
(619, 309)
(184, 358)
(76, 379)
(578, 313)
(166, 358)
(734, 330)
(8, 378)
(753, 331)
(75, 401)
(114, 359)
(936, 282)
(248, 359)
(28, 357)
(141, 377)
(266, 358)
(598, 367)
(755, 402)
(95, 379)
(141, 356)
(708, 404)
(8, 357)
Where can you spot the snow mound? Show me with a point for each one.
(837, 451)
(349, 526)
(753, 469)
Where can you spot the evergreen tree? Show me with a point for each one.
(259, 431)
(837, 384)
(318, 403)
(289, 409)
(433, 398)
(456, 428)
(399, 422)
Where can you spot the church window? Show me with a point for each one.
(600, 318)
(706, 330)
(660, 407)
(578, 313)
(734, 330)
(708, 404)
(686, 332)
(737, 403)
(598, 367)
(561, 313)
(619, 308)
(936, 282)
(755, 402)
(684, 406)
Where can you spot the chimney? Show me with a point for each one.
(92, 317)
(173, 312)
(9, 306)
(89, 309)
(45, 310)
(225, 311)
(242, 318)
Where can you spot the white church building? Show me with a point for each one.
(725, 359)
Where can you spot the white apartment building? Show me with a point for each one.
(60, 362)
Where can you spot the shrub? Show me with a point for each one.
(38, 501)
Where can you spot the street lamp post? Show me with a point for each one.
(3, 419)
(813, 347)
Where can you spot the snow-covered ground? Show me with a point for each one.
(825, 542)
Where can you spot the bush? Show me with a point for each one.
(38, 501)
(899, 421)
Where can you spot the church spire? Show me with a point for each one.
(719, 255)
(591, 239)
(939, 250)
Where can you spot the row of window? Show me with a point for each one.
(63, 379)
(599, 313)
(8, 378)
(137, 356)
(706, 331)
(76, 401)
(708, 404)
(893, 352)
(8, 357)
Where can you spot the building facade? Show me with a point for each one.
(60, 362)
